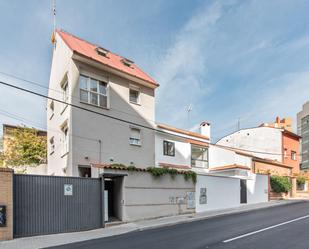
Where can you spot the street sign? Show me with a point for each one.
(68, 189)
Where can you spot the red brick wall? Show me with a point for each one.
(6, 198)
(290, 143)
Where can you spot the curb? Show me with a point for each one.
(192, 219)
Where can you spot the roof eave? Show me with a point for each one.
(98, 64)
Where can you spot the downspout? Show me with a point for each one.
(100, 151)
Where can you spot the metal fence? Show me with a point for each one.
(52, 204)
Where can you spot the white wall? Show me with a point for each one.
(257, 189)
(264, 139)
(182, 150)
(222, 157)
(222, 192)
(61, 65)
(86, 129)
(144, 196)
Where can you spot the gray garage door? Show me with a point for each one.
(52, 204)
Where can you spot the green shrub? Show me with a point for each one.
(190, 175)
(157, 172)
(131, 168)
(301, 180)
(280, 184)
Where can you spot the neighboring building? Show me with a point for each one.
(303, 131)
(8, 133)
(225, 178)
(285, 123)
(178, 148)
(274, 144)
(95, 79)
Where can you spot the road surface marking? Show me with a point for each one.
(265, 229)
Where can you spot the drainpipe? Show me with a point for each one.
(100, 149)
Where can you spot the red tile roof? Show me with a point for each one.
(112, 60)
(176, 166)
(234, 166)
(185, 132)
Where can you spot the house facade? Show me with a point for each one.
(104, 123)
(225, 177)
(279, 146)
(104, 89)
(303, 131)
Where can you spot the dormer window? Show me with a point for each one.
(102, 51)
(127, 62)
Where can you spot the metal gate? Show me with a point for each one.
(54, 204)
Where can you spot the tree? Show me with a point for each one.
(24, 147)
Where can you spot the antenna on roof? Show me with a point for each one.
(53, 39)
(189, 109)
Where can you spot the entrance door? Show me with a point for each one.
(243, 191)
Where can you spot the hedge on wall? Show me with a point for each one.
(301, 180)
(280, 184)
(158, 172)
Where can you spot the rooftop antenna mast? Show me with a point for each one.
(189, 109)
(54, 22)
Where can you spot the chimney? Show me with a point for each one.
(205, 129)
(278, 120)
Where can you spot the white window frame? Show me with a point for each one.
(166, 152)
(65, 93)
(204, 162)
(89, 92)
(293, 155)
(136, 141)
(52, 145)
(65, 138)
(137, 89)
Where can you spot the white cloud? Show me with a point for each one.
(181, 72)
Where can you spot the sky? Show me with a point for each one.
(231, 61)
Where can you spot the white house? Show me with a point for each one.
(101, 84)
(106, 119)
(224, 177)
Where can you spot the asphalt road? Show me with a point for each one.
(284, 227)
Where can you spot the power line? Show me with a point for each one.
(127, 121)
(61, 92)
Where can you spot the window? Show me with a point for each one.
(65, 138)
(135, 136)
(134, 95)
(293, 155)
(285, 153)
(65, 94)
(102, 51)
(65, 91)
(84, 171)
(93, 91)
(127, 62)
(52, 145)
(168, 148)
(52, 109)
(199, 156)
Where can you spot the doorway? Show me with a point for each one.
(243, 191)
(113, 186)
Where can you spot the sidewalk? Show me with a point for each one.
(65, 238)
